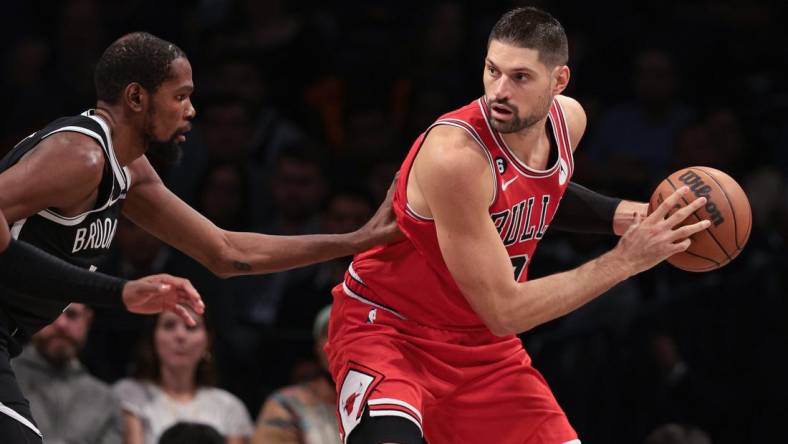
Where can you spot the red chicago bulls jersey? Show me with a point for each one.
(410, 277)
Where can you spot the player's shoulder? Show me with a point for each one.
(575, 118)
(452, 165)
(74, 148)
(453, 148)
(69, 151)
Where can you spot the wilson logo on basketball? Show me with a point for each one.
(701, 189)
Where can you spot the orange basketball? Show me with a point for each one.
(727, 208)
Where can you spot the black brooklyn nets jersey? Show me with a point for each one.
(81, 240)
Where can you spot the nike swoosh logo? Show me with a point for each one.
(508, 182)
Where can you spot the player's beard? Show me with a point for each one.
(516, 123)
(167, 152)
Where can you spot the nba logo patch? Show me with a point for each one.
(373, 314)
(500, 163)
(563, 172)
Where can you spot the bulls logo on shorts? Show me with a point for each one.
(357, 385)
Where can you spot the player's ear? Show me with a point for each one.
(135, 96)
(561, 76)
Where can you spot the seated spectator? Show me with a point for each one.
(304, 413)
(191, 433)
(173, 382)
(68, 403)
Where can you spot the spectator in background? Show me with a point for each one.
(635, 140)
(174, 382)
(191, 433)
(304, 413)
(70, 405)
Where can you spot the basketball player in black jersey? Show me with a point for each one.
(65, 186)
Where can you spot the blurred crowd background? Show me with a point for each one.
(305, 110)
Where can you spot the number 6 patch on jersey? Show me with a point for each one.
(357, 385)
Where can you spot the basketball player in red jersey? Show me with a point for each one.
(422, 337)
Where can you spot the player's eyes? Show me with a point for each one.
(492, 70)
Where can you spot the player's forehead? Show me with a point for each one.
(180, 77)
(509, 57)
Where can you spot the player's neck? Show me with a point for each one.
(128, 142)
(524, 142)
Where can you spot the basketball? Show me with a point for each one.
(727, 208)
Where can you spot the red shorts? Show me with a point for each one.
(456, 386)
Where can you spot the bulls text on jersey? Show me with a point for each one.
(515, 224)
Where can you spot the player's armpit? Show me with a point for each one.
(62, 172)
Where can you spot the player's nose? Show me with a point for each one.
(191, 112)
(501, 88)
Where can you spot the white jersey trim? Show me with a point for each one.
(570, 155)
(353, 273)
(358, 297)
(120, 173)
(76, 220)
(8, 411)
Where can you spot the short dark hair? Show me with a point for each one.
(534, 29)
(137, 57)
(191, 433)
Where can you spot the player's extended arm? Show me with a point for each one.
(36, 273)
(226, 253)
(456, 184)
(586, 211)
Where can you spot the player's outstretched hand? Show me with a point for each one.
(162, 292)
(382, 227)
(652, 239)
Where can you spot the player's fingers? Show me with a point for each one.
(688, 230)
(684, 212)
(184, 314)
(678, 247)
(195, 303)
(665, 207)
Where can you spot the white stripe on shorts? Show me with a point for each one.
(13, 414)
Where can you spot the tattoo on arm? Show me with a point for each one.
(242, 266)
